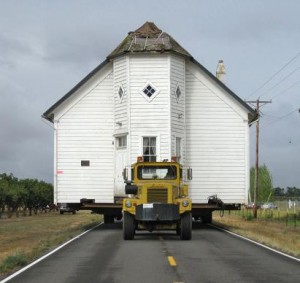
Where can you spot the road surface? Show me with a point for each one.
(211, 256)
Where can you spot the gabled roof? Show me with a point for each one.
(148, 39)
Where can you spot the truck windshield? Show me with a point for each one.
(157, 172)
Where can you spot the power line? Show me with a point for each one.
(282, 117)
(276, 73)
(282, 80)
(284, 91)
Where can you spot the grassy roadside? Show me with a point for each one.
(277, 234)
(24, 239)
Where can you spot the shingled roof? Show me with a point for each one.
(148, 39)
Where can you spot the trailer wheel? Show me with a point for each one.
(186, 226)
(108, 219)
(207, 218)
(178, 229)
(128, 226)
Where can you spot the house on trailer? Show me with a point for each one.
(150, 98)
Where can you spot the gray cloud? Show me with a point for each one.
(46, 47)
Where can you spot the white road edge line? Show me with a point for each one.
(254, 242)
(48, 254)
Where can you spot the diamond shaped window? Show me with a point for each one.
(121, 92)
(178, 93)
(149, 91)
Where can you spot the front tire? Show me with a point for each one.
(186, 226)
(128, 226)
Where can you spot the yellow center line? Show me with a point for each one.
(172, 261)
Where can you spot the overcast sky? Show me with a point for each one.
(46, 47)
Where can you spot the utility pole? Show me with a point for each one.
(256, 174)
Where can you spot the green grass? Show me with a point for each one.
(275, 228)
(25, 239)
(16, 260)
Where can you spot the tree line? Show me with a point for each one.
(24, 194)
(288, 192)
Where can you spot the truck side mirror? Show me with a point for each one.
(190, 173)
(125, 174)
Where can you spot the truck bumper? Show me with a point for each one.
(158, 212)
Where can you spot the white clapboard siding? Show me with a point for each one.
(120, 80)
(85, 132)
(177, 69)
(149, 118)
(216, 145)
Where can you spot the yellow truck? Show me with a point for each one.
(157, 199)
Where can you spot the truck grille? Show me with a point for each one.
(157, 195)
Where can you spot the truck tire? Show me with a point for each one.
(128, 226)
(186, 226)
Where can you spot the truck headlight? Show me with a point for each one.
(128, 204)
(185, 203)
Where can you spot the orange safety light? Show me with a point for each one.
(174, 158)
(140, 159)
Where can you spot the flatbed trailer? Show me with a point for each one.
(200, 211)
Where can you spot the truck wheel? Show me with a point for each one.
(128, 226)
(186, 226)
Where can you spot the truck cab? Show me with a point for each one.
(157, 199)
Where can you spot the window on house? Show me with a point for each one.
(121, 92)
(178, 93)
(121, 142)
(178, 149)
(149, 149)
(85, 163)
(149, 91)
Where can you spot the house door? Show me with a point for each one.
(120, 164)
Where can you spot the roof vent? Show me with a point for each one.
(220, 73)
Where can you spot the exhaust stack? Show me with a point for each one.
(220, 73)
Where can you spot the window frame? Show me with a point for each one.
(149, 157)
(178, 97)
(178, 148)
(121, 142)
(123, 92)
(149, 99)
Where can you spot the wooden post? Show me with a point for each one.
(256, 174)
(255, 194)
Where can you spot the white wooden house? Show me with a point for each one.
(150, 97)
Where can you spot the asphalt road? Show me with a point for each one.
(211, 256)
